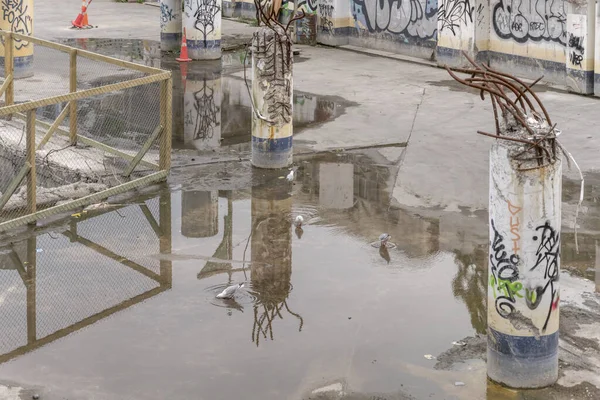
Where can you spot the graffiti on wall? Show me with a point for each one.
(325, 13)
(507, 269)
(524, 20)
(308, 6)
(166, 14)
(204, 11)
(15, 12)
(453, 14)
(413, 18)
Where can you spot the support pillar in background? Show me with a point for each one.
(170, 25)
(18, 17)
(523, 292)
(580, 49)
(202, 22)
(597, 53)
(306, 28)
(272, 87)
(199, 213)
(202, 106)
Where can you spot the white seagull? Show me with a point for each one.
(229, 291)
(299, 221)
(383, 238)
(290, 176)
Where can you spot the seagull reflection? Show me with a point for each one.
(384, 253)
(299, 232)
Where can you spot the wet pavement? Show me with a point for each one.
(119, 303)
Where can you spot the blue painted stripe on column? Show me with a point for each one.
(200, 45)
(171, 36)
(523, 346)
(272, 145)
(23, 62)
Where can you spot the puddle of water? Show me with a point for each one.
(121, 305)
(211, 107)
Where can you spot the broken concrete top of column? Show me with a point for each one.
(520, 117)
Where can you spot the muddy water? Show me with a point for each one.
(120, 303)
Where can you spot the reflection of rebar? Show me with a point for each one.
(524, 120)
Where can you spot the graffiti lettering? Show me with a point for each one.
(576, 59)
(480, 14)
(166, 14)
(204, 12)
(326, 10)
(15, 13)
(514, 225)
(576, 43)
(523, 20)
(309, 6)
(206, 111)
(548, 255)
(505, 275)
(454, 13)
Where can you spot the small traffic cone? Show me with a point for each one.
(81, 20)
(183, 56)
(85, 21)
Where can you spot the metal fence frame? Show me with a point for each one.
(26, 268)
(27, 112)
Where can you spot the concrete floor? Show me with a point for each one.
(432, 189)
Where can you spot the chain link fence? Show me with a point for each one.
(84, 127)
(60, 281)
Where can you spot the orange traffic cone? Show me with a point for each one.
(183, 57)
(81, 20)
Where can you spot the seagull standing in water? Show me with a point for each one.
(384, 238)
(229, 291)
(299, 221)
(290, 176)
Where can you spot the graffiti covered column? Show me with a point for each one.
(333, 22)
(202, 22)
(170, 25)
(272, 98)
(306, 28)
(17, 16)
(580, 49)
(457, 30)
(202, 106)
(597, 53)
(523, 293)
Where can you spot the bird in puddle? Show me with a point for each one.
(299, 221)
(383, 239)
(290, 176)
(229, 291)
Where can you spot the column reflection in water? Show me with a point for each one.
(202, 105)
(597, 267)
(271, 249)
(336, 185)
(199, 213)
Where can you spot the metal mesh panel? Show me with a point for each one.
(58, 282)
(74, 282)
(85, 145)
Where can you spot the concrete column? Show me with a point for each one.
(17, 16)
(580, 49)
(199, 214)
(202, 21)
(523, 293)
(454, 36)
(202, 106)
(272, 86)
(306, 28)
(597, 267)
(170, 25)
(334, 20)
(597, 53)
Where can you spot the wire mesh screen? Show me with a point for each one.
(84, 144)
(58, 282)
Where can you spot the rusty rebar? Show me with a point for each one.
(518, 105)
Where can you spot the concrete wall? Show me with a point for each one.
(559, 39)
